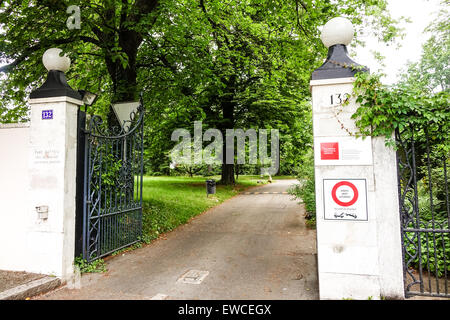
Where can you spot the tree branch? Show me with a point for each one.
(298, 16)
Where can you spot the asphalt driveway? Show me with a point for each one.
(253, 246)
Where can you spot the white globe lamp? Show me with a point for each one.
(53, 61)
(337, 31)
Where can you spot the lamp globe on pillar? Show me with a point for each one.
(336, 35)
(56, 84)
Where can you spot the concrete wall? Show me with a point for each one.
(356, 259)
(38, 170)
(52, 174)
(14, 222)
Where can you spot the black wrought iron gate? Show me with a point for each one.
(109, 180)
(422, 162)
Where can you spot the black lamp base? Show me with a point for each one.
(55, 86)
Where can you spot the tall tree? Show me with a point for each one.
(229, 63)
(432, 71)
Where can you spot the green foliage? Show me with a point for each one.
(305, 190)
(436, 183)
(156, 220)
(234, 64)
(417, 107)
(434, 252)
(90, 267)
(384, 109)
(434, 247)
(13, 115)
(432, 73)
(420, 100)
(412, 106)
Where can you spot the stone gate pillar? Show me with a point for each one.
(358, 222)
(52, 170)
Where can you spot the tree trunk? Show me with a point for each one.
(125, 89)
(124, 81)
(227, 177)
(227, 174)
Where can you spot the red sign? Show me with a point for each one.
(329, 151)
(344, 194)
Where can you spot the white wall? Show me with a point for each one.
(14, 146)
(38, 169)
(52, 181)
(356, 259)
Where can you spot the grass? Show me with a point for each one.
(283, 177)
(169, 202)
(172, 201)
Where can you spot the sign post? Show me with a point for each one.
(358, 224)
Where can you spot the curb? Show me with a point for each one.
(31, 288)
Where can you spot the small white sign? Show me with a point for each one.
(46, 156)
(123, 112)
(342, 151)
(345, 199)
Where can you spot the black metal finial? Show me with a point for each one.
(55, 86)
(338, 65)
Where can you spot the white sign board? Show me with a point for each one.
(345, 199)
(123, 112)
(343, 151)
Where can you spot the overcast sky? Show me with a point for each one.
(421, 13)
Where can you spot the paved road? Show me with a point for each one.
(253, 246)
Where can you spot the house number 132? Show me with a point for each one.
(339, 98)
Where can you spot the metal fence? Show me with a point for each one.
(111, 186)
(422, 163)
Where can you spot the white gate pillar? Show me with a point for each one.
(358, 224)
(52, 171)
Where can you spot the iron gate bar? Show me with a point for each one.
(113, 169)
(432, 217)
(414, 228)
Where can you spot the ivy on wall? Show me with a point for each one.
(383, 109)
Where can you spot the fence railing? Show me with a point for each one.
(422, 162)
(112, 186)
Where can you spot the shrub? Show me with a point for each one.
(90, 267)
(305, 190)
(434, 247)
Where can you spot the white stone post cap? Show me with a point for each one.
(338, 30)
(53, 61)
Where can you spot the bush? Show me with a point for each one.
(90, 267)
(305, 190)
(432, 257)
(434, 247)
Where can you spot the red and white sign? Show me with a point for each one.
(329, 151)
(342, 151)
(345, 199)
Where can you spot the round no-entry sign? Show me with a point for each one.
(344, 193)
(345, 199)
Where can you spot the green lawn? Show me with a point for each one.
(172, 201)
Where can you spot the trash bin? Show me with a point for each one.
(210, 187)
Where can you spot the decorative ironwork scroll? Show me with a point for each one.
(424, 212)
(113, 176)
